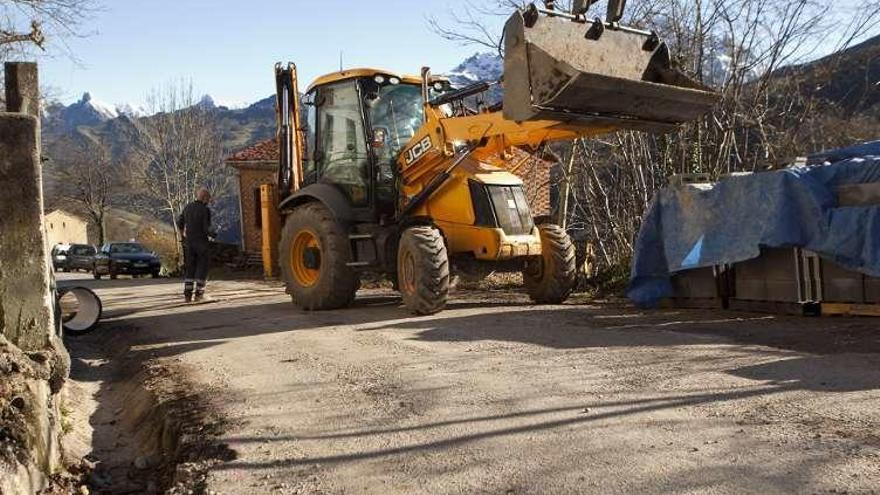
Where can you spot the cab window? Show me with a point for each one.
(340, 155)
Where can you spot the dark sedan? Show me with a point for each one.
(80, 257)
(126, 258)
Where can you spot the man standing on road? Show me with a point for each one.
(195, 226)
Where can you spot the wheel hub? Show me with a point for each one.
(312, 258)
(305, 258)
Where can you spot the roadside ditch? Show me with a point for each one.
(133, 420)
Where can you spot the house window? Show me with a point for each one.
(63, 225)
(258, 210)
(51, 225)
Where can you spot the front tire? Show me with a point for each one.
(423, 270)
(313, 255)
(551, 277)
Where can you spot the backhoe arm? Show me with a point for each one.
(290, 136)
(565, 77)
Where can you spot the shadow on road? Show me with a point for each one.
(830, 344)
(571, 327)
(578, 417)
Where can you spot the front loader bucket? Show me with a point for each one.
(559, 67)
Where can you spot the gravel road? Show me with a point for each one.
(497, 396)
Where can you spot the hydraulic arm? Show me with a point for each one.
(565, 77)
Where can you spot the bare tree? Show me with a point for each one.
(473, 23)
(30, 23)
(87, 178)
(180, 150)
(774, 105)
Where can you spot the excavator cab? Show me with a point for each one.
(355, 125)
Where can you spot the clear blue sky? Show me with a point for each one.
(228, 47)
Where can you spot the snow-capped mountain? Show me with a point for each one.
(87, 111)
(102, 110)
(206, 103)
(131, 111)
(478, 67)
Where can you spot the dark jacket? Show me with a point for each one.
(195, 223)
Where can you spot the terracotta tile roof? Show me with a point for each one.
(264, 151)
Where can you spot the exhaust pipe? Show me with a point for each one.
(561, 66)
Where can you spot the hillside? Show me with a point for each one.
(849, 79)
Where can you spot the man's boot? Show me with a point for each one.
(188, 289)
(200, 290)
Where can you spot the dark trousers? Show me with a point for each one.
(195, 258)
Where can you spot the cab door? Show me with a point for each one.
(337, 144)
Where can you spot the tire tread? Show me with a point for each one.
(559, 275)
(432, 269)
(337, 287)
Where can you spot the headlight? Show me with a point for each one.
(121, 262)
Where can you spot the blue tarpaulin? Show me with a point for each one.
(691, 227)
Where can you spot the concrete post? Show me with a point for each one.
(22, 88)
(26, 299)
(26, 305)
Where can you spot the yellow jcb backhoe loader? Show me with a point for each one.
(406, 176)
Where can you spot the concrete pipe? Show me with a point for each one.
(80, 309)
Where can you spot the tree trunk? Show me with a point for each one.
(562, 217)
(101, 231)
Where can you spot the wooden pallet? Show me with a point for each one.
(774, 307)
(692, 303)
(847, 309)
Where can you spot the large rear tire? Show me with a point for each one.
(551, 277)
(313, 255)
(423, 270)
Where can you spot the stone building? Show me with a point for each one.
(257, 164)
(254, 166)
(63, 227)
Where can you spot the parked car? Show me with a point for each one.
(129, 258)
(80, 257)
(59, 256)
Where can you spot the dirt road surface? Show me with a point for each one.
(497, 396)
